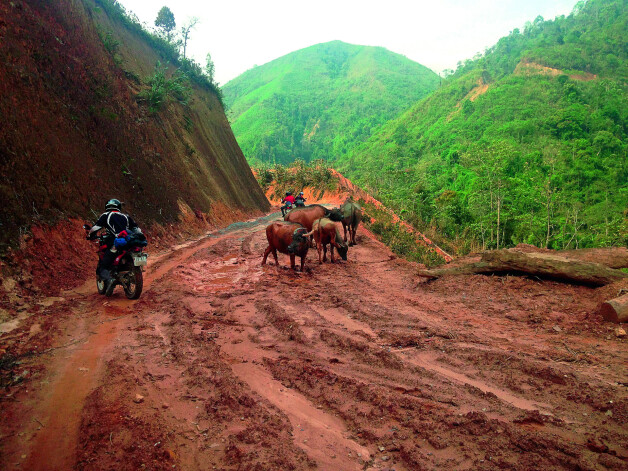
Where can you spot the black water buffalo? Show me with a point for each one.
(351, 217)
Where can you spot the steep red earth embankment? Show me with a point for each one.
(74, 133)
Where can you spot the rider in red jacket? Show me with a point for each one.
(288, 202)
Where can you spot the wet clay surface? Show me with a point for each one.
(225, 364)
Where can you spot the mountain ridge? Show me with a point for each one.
(523, 145)
(296, 105)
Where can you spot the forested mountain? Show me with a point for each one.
(525, 143)
(320, 101)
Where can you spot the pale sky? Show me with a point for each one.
(438, 33)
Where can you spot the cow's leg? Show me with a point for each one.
(324, 252)
(292, 264)
(266, 252)
(353, 229)
(331, 250)
(344, 227)
(319, 249)
(275, 255)
(302, 263)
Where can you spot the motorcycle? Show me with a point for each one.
(286, 208)
(128, 265)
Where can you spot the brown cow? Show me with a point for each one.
(325, 232)
(287, 237)
(307, 215)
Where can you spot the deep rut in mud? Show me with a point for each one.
(225, 364)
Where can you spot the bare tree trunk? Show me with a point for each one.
(498, 216)
(491, 213)
(185, 42)
(548, 211)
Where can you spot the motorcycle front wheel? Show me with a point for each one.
(134, 283)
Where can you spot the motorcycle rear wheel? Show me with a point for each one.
(100, 285)
(135, 284)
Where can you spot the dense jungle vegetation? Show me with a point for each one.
(524, 143)
(320, 101)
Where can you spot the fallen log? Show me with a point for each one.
(615, 310)
(612, 257)
(547, 265)
(474, 268)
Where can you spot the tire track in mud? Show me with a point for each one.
(77, 371)
(511, 411)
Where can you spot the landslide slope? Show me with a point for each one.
(526, 143)
(75, 133)
(320, 101)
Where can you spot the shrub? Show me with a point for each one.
(163, 89)
(298, 175)
(111, 44)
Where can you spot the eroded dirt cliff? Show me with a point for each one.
(74, 134)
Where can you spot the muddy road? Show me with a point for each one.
(225, 364)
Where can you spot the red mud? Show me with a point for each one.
(225, 364)
(51, 259)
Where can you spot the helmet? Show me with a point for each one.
(301, 193)
(288, 193)
(114, 204)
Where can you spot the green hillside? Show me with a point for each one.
(527, 143)
(320, 101)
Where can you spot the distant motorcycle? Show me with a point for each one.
(128, 265)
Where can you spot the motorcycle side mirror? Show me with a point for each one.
(87, 227)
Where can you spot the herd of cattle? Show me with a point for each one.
(293, 235)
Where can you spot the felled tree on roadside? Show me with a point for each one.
(165, 22)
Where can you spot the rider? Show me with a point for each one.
(299, 201)
(117, 224)
(288, 202)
